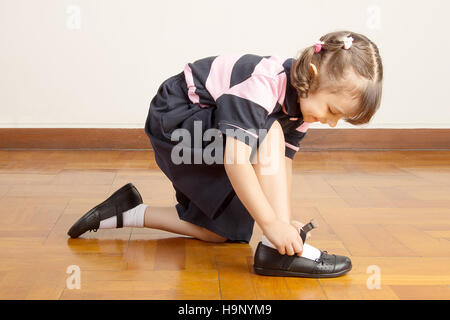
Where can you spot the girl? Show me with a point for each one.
(254, 103)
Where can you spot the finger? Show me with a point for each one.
(281, 250)
(298, 225)
(289, 250)
(300, 243)
(298, 248)
(299, 239)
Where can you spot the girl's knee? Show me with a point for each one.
(210, 236)
(218, 239)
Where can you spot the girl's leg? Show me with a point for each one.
(166, 218)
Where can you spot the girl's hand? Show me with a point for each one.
(298, 225)
(284, 237)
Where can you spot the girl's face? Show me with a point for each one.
(326, 108)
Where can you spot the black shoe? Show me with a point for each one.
(270, 262)
(120, 201)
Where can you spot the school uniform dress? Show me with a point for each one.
(234, 95)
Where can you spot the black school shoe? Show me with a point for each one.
(269, 262)
(122, 200)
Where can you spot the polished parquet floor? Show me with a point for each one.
(387, 210)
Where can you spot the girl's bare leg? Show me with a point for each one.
(166, 218)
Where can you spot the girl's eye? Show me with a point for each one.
(330, 110)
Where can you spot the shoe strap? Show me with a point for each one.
(120, 220)
(307, 228)
(287, 261)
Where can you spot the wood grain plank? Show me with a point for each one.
(233, 272)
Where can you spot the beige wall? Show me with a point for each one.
(97, 64)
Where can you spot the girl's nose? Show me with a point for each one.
(332, 123)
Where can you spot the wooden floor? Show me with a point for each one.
(387, 210)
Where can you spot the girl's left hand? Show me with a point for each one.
(298, 225)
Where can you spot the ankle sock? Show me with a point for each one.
(308, 252)
(131, 218)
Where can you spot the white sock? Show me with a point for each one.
(131, 218)
(308, 252)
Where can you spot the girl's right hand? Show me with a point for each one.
(284, 237)
(298, 225)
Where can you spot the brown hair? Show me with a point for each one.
(335, 64)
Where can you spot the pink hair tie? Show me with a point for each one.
(318, 45)
(348, 42)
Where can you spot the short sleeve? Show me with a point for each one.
(242, 110)
(294, 131)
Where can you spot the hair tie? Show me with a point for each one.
(318, 45)
(348, 42)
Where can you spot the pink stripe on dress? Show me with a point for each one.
(258, 89)
(292, 147)
(270, 67)
(191, 86)
(263, 87)
(273, 66)
(304, 127)
(219, 77)
(282, 83)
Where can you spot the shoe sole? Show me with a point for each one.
(284, 273)
(73, 230)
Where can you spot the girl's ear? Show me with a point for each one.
(313, 68)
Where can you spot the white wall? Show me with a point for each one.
(98, 63)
